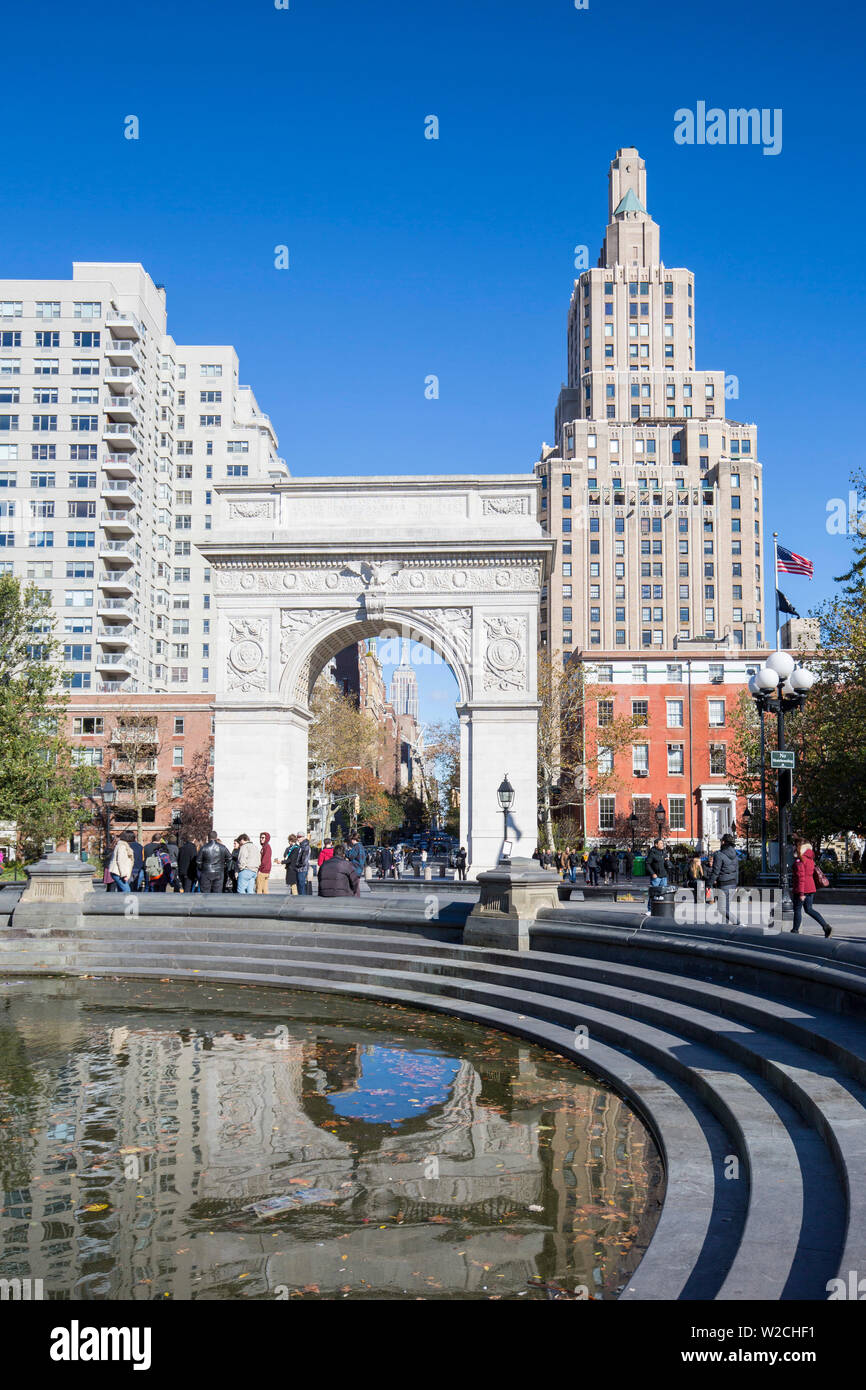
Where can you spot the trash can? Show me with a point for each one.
(662, 902)
(638, 867)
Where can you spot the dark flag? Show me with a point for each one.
(784, 605)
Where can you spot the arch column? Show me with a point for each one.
(498, 739)
(262, 753)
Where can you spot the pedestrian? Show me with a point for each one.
(356, 855)
(337, 877)
(607, 866)
(803, 889)
(290, 861)
(186, 866)
(460, 863)
(592, 865)
(303, 863)
(211, 864)
(725, 874)
(158, 868)
(695, 878)
(230, 882)
(121, 864)
(658, 865)
(629, 863)
(172, 849)
(620, 864)
(136, 880)
(325, 853)
(264, 870)
(387, 861)
(249, 859)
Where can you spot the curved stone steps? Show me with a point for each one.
(771, 1237)
(717, 1069)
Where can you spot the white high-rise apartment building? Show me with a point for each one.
(110, 437)
(653, 493)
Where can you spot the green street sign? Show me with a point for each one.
(782, 759)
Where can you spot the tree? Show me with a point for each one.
(442, 750)
(572, 767)
(340, 736)
(40, 780)
(135, 744)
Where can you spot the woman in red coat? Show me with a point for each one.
(804, 884)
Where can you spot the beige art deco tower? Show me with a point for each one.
(652, 492)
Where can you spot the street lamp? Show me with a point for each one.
(505, 796)
(660, 817)
(779, 687)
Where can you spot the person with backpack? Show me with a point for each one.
(460, 863)
(211, 865)
(158, 868)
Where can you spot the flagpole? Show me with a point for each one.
(776, 586)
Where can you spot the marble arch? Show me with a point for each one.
(302, 568)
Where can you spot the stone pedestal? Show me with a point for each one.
(58, 878)
(511, 896)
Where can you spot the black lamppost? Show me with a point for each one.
(660, 817)
(747, 821)
(505, 795)
(780, 687)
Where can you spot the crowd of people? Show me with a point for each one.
(714, 876)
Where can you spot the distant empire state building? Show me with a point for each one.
(403, 690)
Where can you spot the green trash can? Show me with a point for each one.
(638, 868)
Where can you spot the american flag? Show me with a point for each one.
(790, 563)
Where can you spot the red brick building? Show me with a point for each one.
(162, 742)
(681, 703)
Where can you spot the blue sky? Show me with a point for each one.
(261, 127)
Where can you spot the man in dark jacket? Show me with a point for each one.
(136, 878)
(658, 866)
(337, 877)
(356, 855)
(725, 875)
(186, 866)
(211, 864)
(387, 861)
(303, 861)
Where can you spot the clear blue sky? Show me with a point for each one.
(408, 256)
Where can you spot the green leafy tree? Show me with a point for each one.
(40, 780)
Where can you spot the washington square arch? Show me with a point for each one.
(303, 568)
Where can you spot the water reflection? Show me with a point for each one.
(205, 1142)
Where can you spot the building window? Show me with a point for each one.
(178, 729)
(677, 812)
(640, 758)
(606, 812)
(718, 759)
(85, 725)
(675, 670)
(640, 712)
(675, 760)
(675, 714)
(717, 714)
(605, 712)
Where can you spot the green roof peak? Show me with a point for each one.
(630, 203)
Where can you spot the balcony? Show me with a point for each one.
(118, 491)
(119, 523)
(123, 407)
(124, 323)
(118, 581)
(115, 687)
(117, 662)
(120, 465)
(145, 767)
(124, 351)
(120, 552)
(125, 799)
(121, 435)
(115, 634)
(112, 372)
(116, 609)
(140, 733)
